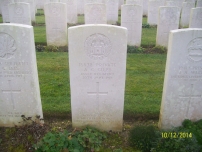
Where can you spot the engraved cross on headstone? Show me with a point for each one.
(189, 97)
(11, 91)
(97, 93)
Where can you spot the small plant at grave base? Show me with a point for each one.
(177, 144)
(142, 137)
(146, 26)
(158, 49)
(134, 49)
(51, 48)
(21, 138)
(91, 139)
(58, 142)
(39, 48)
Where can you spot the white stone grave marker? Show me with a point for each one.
(145, 7)
(121, 2)
(56, 24)
(182, 91)
(185, 14)
(4, 8)
(131, 18)
(80, 6)
(112, 11)
(168, 20)
(95, 13)
(199, 3)
(97, 60)
(196, 18)
(19, 85)
(19, 13)
(153, 11)
(134, 2)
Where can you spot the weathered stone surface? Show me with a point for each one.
(177, 3)
(95, 13)
(153, 11)
(134, 2)
(32, 7)
(185, 14)
(4, 9)
(80, 6)
(19, 13)
(97, 60)
(56, 24)
(182, 91)
(19, 86)
(131, 18)
(94, 1)
(40, 4)
(196, 18)
(121, 2)
(112, 11)
(145, 7)
(71, 11)
(168, 20)
(199, 3)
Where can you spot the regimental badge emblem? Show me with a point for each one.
(195, 50)
(97, 46)
(19, 10)
(7, 46)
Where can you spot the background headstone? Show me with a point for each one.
(80, 6)
(32, 7)
(182, 91)
(112, 11)
(56, 24)
(153, 11)
(19, 85)
(40, 4)
(131, 18)
(134, 2)
(97, 60)
(199, 3)
(145, 7)
(19, 13)
(185, 14)
(196, 18)
(121, 2)
(4, 9)
(168, 20)
(95, 13)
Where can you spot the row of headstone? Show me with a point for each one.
(97, 61)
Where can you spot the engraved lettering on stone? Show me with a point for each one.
(189, 97)
(7, 46)
(11, 91)
(97, 46)
(195, 50)
(97, 93)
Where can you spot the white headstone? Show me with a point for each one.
(95, 13)
(32, 8)
(199, 3)
(131, 18)
(134, 2)
(112, 11)
(4, 9)
(190, 1)
(19, 13)
(168, 20)
(80, 6)
(145, 7)
(196, 18)
(121, 2)
(40, 4)
(185, 14)
(97, 61)
(93, 1)
(177, 3)
(19, 85)
(153, 11)
(182, 91)
(56, 24)
(71, 11)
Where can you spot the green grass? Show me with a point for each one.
(144, 83)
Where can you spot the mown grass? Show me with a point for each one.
(144, 83)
